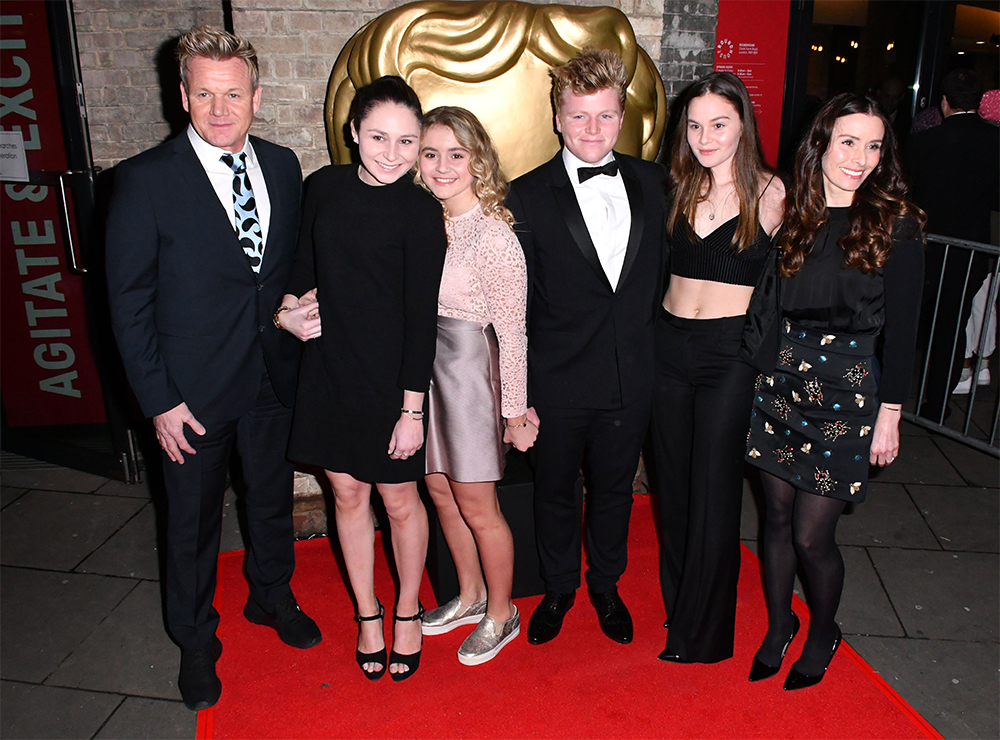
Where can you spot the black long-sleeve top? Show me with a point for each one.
(824, 295)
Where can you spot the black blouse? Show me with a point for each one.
(713, 258)
(824, 295)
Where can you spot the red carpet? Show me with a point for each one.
(581, 685)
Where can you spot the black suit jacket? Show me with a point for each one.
(588, 346)
(190, 315)
(954, 174)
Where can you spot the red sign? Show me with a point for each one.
(751, 38)
(49, 375)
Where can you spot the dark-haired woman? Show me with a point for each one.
(373, 245)
(851, 271)
(726, 205)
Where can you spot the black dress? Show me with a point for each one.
(375, 253)
(814, 414)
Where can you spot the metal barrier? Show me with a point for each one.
(963, 255)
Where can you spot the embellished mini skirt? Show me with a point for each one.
(813, 416)
(464, 425)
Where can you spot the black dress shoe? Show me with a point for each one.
(547, 619)
(759, 670)
(198, 682)
(666, 623)
(671, 657)
(796, 680)
(613, 615)
(294, 627)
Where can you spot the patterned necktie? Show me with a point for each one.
(247, 225)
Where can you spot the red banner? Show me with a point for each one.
(48, 372)
(751, 41)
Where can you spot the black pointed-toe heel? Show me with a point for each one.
(411, 661)
(377, 657)
(761, 670)
(796, 680)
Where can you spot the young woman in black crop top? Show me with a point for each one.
(851, 272)
(726, 206)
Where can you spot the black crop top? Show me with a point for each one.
(713, 258)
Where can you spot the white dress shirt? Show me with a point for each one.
(221, 177)
(604, 203)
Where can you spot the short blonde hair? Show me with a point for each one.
(590, 71)
(221, 46)
(484, 163)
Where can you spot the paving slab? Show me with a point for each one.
(73, 524)
(961, 518)
(46, 615)
(943, 595)
(977, 468)
(128, 490)
(9, 495)
(150, 719)
(31, 711)
(54, 479)
(131, 552)
(888, 517)
(129, 653)
(919, 461)
(953, 685)
(864, 607)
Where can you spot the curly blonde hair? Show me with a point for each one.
(484, 163)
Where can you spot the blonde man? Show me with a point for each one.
(201, 236)
(589, 221)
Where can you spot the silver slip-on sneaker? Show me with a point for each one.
(485, 641)
(451, 615)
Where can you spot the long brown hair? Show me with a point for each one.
(691, 182)
(878, 203)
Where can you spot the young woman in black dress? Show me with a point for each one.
(851, 273)
(726, 205)
(372, 243)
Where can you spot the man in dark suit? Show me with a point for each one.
(954, 172)
(590, 223)
(201, 236)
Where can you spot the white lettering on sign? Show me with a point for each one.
(34, 193)
(44, 287)
(49, 237)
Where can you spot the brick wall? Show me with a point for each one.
(130, 81)
(129, 76)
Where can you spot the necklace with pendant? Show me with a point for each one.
(711, 216)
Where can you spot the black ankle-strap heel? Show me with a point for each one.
(411, 661)
(377, 657)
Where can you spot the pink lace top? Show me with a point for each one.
(485, 280)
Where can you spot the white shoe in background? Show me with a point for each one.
(964, 386)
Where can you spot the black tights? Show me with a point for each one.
(800, 527)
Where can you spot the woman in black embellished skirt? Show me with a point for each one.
(851, 272)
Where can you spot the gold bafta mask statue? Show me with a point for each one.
(493, 58)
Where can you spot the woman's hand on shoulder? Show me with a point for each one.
(885, 438)
(772, 205)
(407, 437)
(520, 432)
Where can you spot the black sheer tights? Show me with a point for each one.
(800, 527)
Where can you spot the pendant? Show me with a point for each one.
(711, 217)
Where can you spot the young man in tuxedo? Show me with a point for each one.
(201, 235)
(590, 223)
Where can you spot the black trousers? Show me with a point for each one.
(701, 414)
(607, 442)
(194, 516)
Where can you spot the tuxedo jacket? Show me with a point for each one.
(589, 346)
(192, 319)
(954, 172)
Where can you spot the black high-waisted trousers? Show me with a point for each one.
(701, 413)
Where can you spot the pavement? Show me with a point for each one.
(83, 652)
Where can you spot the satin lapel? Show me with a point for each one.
(573, 216)
(196, 178)
(634, 191)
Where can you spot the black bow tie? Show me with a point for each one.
(610, 169)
